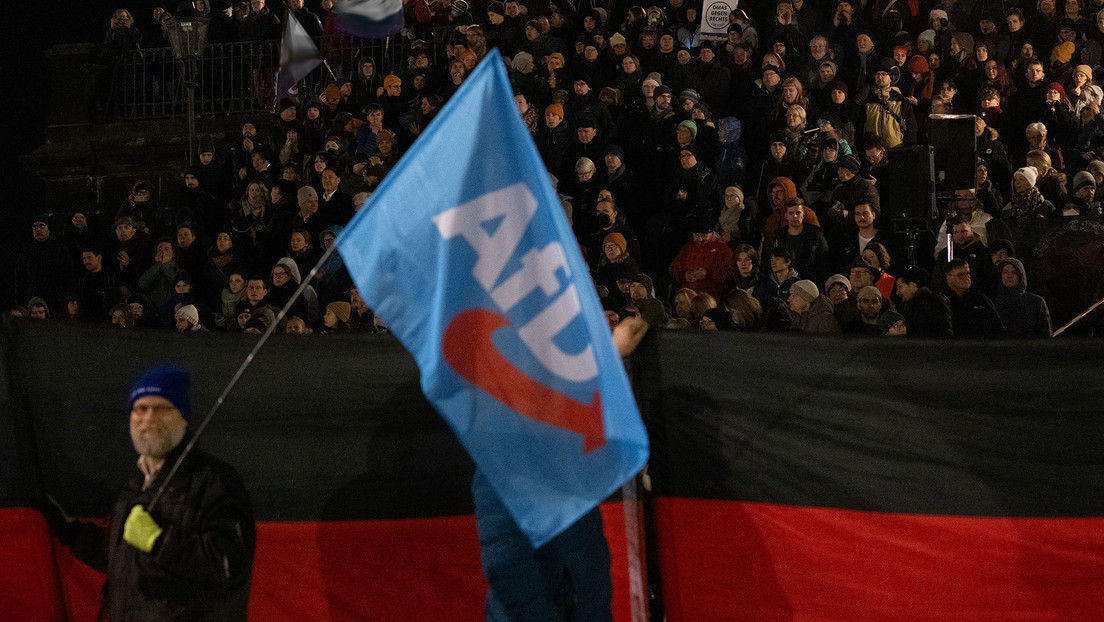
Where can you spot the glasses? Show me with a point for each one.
(869, 301)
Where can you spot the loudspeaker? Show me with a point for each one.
(907, 193)
(952, 135)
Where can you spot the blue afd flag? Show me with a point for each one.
(465, 252)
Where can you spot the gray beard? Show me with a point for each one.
(156, 447)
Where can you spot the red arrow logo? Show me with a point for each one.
(471, 354)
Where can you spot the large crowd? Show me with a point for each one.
(731, 184)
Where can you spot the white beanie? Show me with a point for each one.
(806, 288)
(1030, 173)
(189, 313)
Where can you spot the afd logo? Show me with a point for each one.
(468, 347)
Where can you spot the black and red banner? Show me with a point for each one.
(361, 491)
(873, 480)
(793, 479)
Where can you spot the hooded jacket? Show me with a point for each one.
(776, 219)
(1024, 314)
(732, 158)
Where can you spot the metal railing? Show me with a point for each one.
(240, 77)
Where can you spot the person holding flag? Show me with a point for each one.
(190, 557)
(513, 347)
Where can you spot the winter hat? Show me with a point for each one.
(1085, 69)
(869, 291)
(918, 64)
(1063, 52)
(838, 85)
(341, 309)
(169, 381)
(937, 14)
(887, 319)
(655, 76)
(837, 278)
(616, 238)
(617, 39)
(806, 289)
(497, 8)
(555, 109)
(694, 151)
(850, 162)
(644, 280)
(521, 60)
(662, 89)
(557, 56)
(1082, 179)
(284, 105)
(690, 125)
(124, 220)
(615, 150)
(306, 193)
(190, 314)
(587, 120)
(919, 276)
(928, 36)
(392, 80)
(1030, 173)
(1096, 166)
(690, 94)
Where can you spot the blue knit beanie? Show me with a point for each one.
(169, 381)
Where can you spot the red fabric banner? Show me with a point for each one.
(409, 569)
(730, 560)
(29, 587)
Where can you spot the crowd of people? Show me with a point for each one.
(728, 184)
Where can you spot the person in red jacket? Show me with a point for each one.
(704, 263)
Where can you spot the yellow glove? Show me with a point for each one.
(140, 530)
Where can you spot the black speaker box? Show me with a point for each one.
(952, 135)
(907, 193)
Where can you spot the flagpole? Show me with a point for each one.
(304, 283)
(327, 66)
(1078, 318)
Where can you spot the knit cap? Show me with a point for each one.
(806, 289)
(169, 381)
(341, 309)
(1030, 173)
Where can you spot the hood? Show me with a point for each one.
(1019, 289)
(787, 185)
(732, 130)
(334, 229)
(292, 268)
(37, 301)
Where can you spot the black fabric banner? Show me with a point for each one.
(320, 429)
(1064, 258)
(999, 428)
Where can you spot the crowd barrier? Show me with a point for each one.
(792, 478)
(240, 76)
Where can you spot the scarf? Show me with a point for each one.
(1026, 204)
